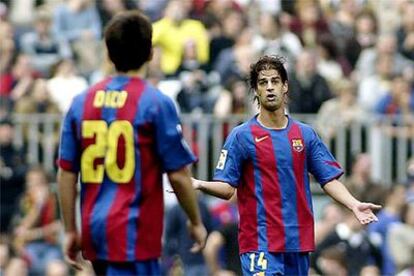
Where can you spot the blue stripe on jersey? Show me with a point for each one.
(287, 190)
(261, 212)
(100, 213)
(134, 210)
(306, 179)
(108, 189)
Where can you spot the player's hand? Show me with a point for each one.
(364, 212)
(199, 234)
(71, 249)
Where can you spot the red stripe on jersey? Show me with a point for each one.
(150, 221)
(247, 204)
(117, 220)
(272, 199)
(305, 217)
(91, 190)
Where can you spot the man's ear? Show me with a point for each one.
(151, 55)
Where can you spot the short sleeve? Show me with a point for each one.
(171, 146)
(322, 165)
(230, 162)
(69, 150)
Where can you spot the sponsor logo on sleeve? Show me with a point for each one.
(222, 160)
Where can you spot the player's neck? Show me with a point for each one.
(276, 119)
(140, 73)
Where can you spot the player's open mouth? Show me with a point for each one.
(271, 97)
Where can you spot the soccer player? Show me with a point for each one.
(267, 159)
(120, 135)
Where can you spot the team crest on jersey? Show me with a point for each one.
(297, 145)
(222, 160)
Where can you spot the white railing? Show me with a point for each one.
(206, 134)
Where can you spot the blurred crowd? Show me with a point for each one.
(347, 60)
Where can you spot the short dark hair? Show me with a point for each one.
(128, 37)
(267, 63)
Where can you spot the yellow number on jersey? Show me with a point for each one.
(106, 146)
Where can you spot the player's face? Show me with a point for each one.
(271, 91)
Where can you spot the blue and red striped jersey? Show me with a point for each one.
(270, 169)
(121, 135)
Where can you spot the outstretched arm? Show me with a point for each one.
(219, 189)
(362, 211)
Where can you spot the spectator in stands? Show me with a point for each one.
(234, 99)
(399, 101)
(332, 261)
(364, 36)
(390, 214)
(342, 24)
(37, 100)
(350, 237)
(386, 46)
(12, 172)
(401, 240)
(178, 241)
(343, 107)
(372, 88)
(77, 22)
(235, 61)
(21, 14)
(230, 27)
(359, 181)
(7, 51)
(21, 78)
(332, 214)
(331, 64)
(42, 46)
(308, 89)
(108, 8)
(38, 226)
(310, 23)
(173, 31)
(65, 84)
(405, 34)
(273, 39)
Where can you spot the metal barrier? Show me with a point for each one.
(206, 134)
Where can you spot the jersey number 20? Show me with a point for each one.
(106, 147)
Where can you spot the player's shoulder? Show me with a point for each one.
(306, 129)
(156, 95)
(303, 126)
(240, 131)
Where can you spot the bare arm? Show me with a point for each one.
(363, 211)
(67, 199)
(181, 183)
(219, 189)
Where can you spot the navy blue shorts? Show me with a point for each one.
(266, 263)
(150, 267)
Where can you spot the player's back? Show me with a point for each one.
(121, 146)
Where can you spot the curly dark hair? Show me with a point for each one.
(267, 63)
